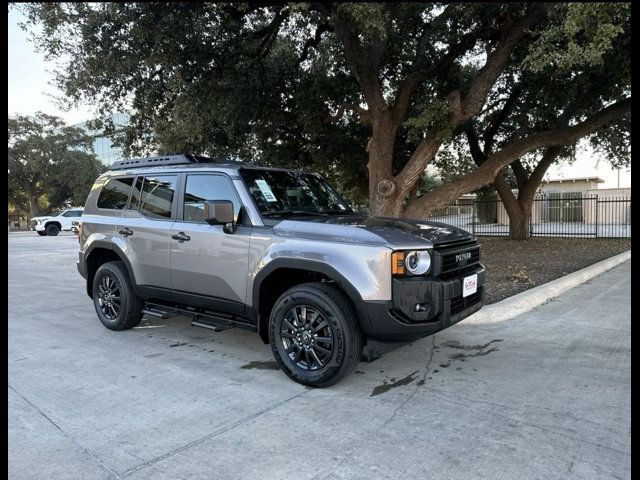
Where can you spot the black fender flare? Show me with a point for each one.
(102, 244)
(310, 266)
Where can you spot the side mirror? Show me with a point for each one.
(220, 212)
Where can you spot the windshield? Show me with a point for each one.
(279, 193)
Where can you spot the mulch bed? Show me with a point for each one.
(514, 266)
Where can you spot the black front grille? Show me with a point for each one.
(33, 223)
(458, 304)
(459, 272)
(455, 260)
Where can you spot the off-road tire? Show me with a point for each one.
(334, 306)
(52, 230)
(130, 306)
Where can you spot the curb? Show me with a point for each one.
(525, 301)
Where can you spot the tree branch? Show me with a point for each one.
(270, 31)
(495, 64)
(412, 81)
(365, 116)
(529, 189)
(567, 135)
(462, 110)
(498, 119)
(447, 193)
(313, 42)
(477, 154)
(364, 68)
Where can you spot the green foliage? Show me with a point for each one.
(581, 35)
(428, 183)
(48, 160)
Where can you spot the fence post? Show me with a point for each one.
(597, 208)
(473, 218)
(533, 208)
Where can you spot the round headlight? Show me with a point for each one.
(418, 262)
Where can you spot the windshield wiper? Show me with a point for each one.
(340, 212)
(294, 212)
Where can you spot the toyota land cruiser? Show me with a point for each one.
(271, 250)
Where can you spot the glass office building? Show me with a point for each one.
(104, 149)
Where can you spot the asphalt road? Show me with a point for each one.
(545, 396)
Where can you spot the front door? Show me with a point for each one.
(208, 266)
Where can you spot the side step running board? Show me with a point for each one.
(217, 324)
(160, 312)
(210, 320)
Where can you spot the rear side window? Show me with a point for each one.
(115, 193)
(157, 196)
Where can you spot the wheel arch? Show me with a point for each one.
(283, 273)
(53, 222)
(99, 253)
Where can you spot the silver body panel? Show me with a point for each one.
(212, 262)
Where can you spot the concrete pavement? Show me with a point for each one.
(545, 395)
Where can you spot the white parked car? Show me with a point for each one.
(52, 225)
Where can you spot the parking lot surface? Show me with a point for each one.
(545, 395)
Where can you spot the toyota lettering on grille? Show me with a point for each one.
(463, 258)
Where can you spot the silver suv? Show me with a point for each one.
(274, 251)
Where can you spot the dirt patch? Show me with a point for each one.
(268, 365)
(514, 266)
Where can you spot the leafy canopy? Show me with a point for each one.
(47, 158)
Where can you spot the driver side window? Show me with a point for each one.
(207, 187)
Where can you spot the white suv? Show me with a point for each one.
(53, 224)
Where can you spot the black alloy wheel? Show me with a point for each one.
(307, 337)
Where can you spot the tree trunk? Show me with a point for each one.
(519, 223)
(383, 190)
(34, 209)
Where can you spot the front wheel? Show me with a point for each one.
(314, 334)
(115, 302)
(52, 230)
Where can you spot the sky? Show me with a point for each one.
(31, 89)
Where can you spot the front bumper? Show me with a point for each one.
(397, 320)
(39, 227)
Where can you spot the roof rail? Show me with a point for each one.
(164, 160)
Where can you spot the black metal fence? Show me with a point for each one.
(568, 214)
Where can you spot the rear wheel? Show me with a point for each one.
(41, 233)
(315, 335)
(52, 230)
(115, 302)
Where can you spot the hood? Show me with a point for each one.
(46, 217)
(390, 232)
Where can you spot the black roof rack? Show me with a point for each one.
(181, 159)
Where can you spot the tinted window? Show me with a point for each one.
(73, 213)
(115, 193)
(157, 196)
(207, 187)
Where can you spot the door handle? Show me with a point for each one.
(181, 237)
(126, 231)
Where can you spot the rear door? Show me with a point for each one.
(145, 229)
(210, 268)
